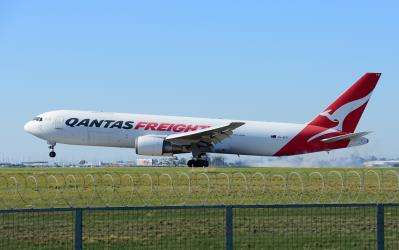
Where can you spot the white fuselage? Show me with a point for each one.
(121, 130)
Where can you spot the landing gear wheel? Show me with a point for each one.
(190, 163)
(197, 163)
(202, 163)
(51, 146)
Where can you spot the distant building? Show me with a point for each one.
(125, 163)
(388, 163)
(144, 162)
(34, 164)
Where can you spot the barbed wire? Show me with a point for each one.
(197, 187)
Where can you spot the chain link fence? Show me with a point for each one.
(311, 226)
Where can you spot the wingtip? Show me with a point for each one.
(237, 123)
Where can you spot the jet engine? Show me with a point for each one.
(156, 146)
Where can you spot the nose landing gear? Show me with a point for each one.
(52, 154)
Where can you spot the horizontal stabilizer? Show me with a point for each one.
(345, 137)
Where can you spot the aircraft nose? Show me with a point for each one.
(29, 127)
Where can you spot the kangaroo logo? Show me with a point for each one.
(339, 115)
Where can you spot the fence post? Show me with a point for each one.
(380, 226)
(78, 229)
(229, 227)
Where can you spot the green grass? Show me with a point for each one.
(81, 187)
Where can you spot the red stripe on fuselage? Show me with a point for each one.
(300, 145)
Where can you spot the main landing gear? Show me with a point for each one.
(198, 161)
(52, 154)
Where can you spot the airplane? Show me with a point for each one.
(154, 135)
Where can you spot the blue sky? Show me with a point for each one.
(270, 60)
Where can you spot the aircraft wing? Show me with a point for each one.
(344, 137)
(207, 136)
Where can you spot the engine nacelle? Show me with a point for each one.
(155, 146)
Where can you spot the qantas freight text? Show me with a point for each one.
(154, 126)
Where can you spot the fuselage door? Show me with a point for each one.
(58, 122)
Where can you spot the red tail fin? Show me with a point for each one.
(345, 112)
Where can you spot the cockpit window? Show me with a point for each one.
(39, 119)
